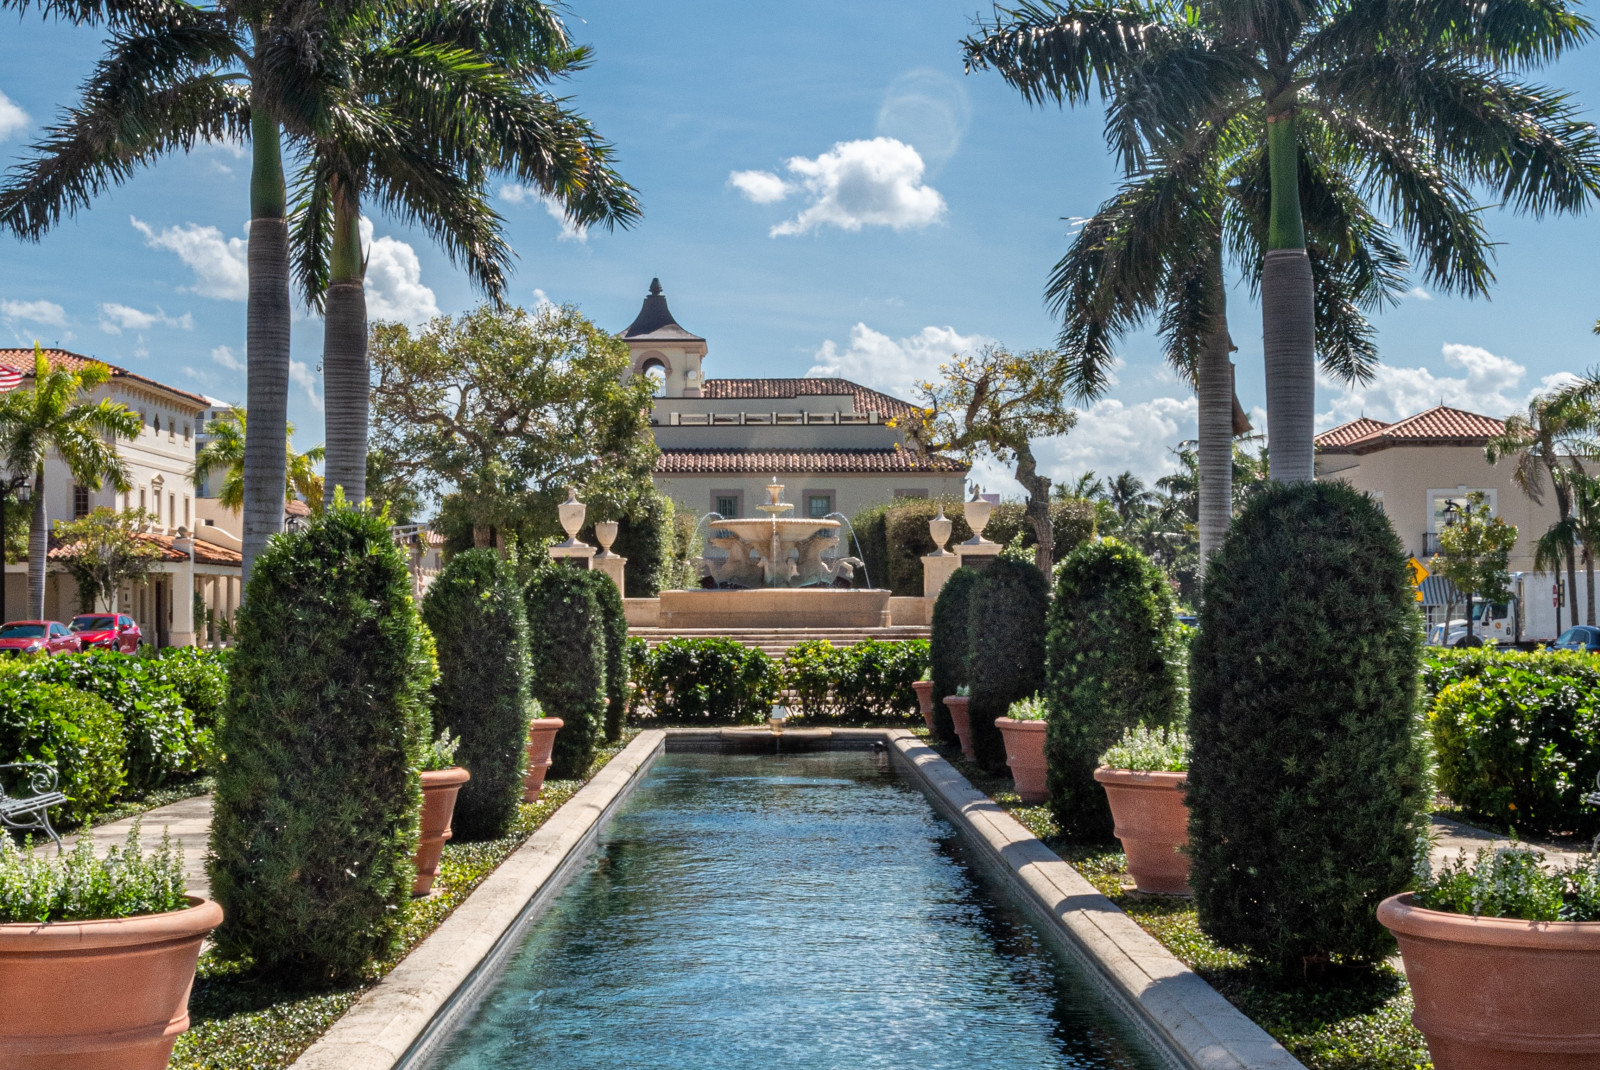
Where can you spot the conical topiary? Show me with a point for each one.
(567, 662)
(1005, 648)
(947, 651)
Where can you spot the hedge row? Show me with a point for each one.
(868, 681)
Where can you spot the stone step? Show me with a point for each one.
(776, 642)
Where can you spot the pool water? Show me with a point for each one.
(748, 912)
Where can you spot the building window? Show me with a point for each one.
(156, 494)
(914, 492)
(186, 511)
(726, 505)
(143, 504)
(158, 423)
(818, 503)
(186, 432)
(172, 508)
(80, 501)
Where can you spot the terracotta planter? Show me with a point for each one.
(1025, 756)
(957, 705)
(99, 995)
(439, 790)
(1153, 824)
(541, 738)
(1498, 992)
(924, 690)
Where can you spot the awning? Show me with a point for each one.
(1438, 591)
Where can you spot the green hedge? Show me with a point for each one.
(567, 662)
(201, 679)
(947, 652)
(1517, 737)
(317, 800)
(645, 538)
(866, 681)
(77, 733)
(713, 680)
(1307, 784)
(614, 622)
(1116, 659)
(907, 539)
(474, 610)
(870, 527)
(1005, 649)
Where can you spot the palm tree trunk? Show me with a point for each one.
(1214, 390)
(1572, 583)
(38, 548)
(346, 375)
(1038, 508)
(1288, 315)
(266, 342)
(1588, 569)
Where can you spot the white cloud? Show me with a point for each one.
(893, 365)
(1419, 293)
(1112, 436)
(394, 280)
(218, 263)
(541, 301)
(762, 187)
(114, 319)
(47, 313)
(224, 356)
(512, 193)
(301, 375)
(852, 185)
(12, 117)
(1488, 384)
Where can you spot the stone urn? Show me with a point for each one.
(924, 690)
(571, 513)
(439, 790)
(977, 513)
(1152, 821)
(957, 705)
(111, 994)
(1025, 756)
(605, 533)
(939, 529)
(1500, 993)
(541, 740)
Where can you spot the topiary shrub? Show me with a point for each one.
(712, 680)
(872, 545)
(1005, 649)
(79, 734)
(1115, 659)
(317, 800)
(567, 662)
(645, 537)
(474, 610)
(1307, 782)
(947, 650)
(614, 622)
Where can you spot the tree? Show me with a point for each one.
(1585, 529)
(1419, 103)
(1476, 550)
(102, 551)
(506, 408)
(225, 450)
(50, 419)
(996, 402)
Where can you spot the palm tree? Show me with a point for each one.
(1416, 97)
(1129, 497)
(50, 419)
(225, 451)
(1585, 490)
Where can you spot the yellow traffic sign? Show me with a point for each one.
(1419, 572)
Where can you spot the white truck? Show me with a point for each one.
(1527, 620)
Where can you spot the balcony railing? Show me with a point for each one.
(1430, 544)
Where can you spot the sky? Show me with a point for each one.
(825, 191)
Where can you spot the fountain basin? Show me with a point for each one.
(775, 607)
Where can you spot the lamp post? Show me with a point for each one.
(18, 486)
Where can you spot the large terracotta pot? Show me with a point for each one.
(924, 690)
(1499, 993)
(957, 705)
(99, 995)
(1025, 756)
(439, 790)
(541, 739)
(1152, 821)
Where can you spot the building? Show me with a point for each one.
(832, 442)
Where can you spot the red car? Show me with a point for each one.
(106, 631)
(37, 636)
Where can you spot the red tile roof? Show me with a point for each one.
(22, 359)
(1438, 426)
(205, 553)
(765, 462)
(863, 398)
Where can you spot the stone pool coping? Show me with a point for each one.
(400, 1021)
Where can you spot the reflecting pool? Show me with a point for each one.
(748, 912)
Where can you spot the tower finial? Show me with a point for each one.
(655, 286)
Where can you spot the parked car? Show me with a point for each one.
(1582, 637)
(37, 636)
(106, 631)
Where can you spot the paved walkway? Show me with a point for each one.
(189, 822)
(1450, 837)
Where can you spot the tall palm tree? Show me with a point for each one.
(1129, 497)
(1585, 491)
(1419, 96)
(50, 419)
(225, 451)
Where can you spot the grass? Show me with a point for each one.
(243, 1022)
(1358, 1019)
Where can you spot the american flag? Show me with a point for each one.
(9, 378)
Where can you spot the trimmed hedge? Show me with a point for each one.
(614, 622)
(474, 610)
(1517, 737)
(78, 733)
(947, 653)
(567, 662)
(1307, 784)
(315, 823)
(201, 679)
(907, 539)
(866, 681)
(713, 680)
(1005, 649)
(646, 539)
(1115, 655)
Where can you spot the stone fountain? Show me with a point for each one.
(776, 550)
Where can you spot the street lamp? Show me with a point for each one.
(18, 486)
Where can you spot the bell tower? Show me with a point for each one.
(656, 341)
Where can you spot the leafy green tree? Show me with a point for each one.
(50, 418)
(102, 551)
(1476, 554)
(225, 450)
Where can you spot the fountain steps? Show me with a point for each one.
(777, 641)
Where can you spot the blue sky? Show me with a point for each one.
(824, 190)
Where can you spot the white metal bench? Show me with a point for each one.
(25, 805)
